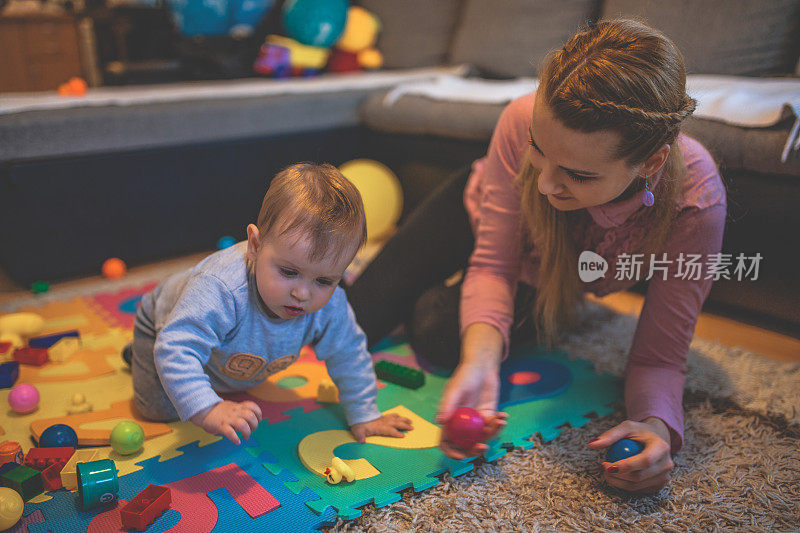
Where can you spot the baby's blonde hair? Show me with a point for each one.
(314, 200)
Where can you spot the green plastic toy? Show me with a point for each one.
(127, 437)
(25, 480)
(97, 483)
(398, 374)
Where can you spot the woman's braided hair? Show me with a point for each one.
(624, 76)
(621, 76)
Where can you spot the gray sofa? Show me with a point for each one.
(146, 172)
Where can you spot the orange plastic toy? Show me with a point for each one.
(74, 87)
(114, 268)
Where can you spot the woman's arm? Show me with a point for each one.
(487, 294)
(656, 370)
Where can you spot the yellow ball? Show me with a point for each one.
(381, 193)
(360, 30)
(11, 506)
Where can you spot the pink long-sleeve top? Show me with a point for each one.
(656, 368)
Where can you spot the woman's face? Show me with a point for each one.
(577, 169)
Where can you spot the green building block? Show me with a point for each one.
(399, 374)
(23, 479)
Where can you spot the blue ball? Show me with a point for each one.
(203, 18)
(622, 449)
(315, 22)
(58, 435)
(225, 242)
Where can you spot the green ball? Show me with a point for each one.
(127, 437)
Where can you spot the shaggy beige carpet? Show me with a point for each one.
(739, 468)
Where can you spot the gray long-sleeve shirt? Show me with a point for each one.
(213, 335)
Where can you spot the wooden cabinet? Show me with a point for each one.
(38, 52)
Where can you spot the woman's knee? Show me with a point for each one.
(433, 326)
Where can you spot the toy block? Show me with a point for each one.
(46, 341)
(398, 374)
(31, 356)
(145, 507)
(10, 452)
(7, 467)
(26, 481)
(9, 373)
(327, 392)
(69, 474)
(41, 458)
(51, 477)
(64, 349)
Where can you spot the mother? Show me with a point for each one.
(592, 161)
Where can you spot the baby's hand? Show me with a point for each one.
(226, 417)
(387, 426)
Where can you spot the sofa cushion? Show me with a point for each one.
(752, 149)
(733, 147)
(414, 33)
(510, 38)
(737, 37)
(418, 115)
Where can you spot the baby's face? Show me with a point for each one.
(290, 284)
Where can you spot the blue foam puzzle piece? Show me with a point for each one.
(64, 515)
(555, 379)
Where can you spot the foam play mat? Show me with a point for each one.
(279, 479)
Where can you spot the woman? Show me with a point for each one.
(592, 161)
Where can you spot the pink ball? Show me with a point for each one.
(24, 398)
(465, 428)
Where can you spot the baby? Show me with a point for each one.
(243, 313)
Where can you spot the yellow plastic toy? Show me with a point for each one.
(64, 349)
(11, 506)
(15, 327)
(79, 404)
(327, 392)
(69, 474)
(381, 192)
(338, 471)
(301, 55)
(359, 36)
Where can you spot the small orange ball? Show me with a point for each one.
(114, 268)
(78, 86)
(74, 87)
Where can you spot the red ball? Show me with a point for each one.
(464, 429)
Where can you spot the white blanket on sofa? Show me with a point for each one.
(740, 101)
(748, 102)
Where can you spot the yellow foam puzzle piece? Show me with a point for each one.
(316, 451)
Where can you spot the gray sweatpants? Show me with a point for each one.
(149, 395)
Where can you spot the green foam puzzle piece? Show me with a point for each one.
(401, 469)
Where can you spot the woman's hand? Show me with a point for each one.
(227, 417)
(387, 426)
(646, 472)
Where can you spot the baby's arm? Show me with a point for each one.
(201, 317)
(343, 347)
(226, 418)
(386, 426)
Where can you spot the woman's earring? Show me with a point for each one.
(647, 197)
